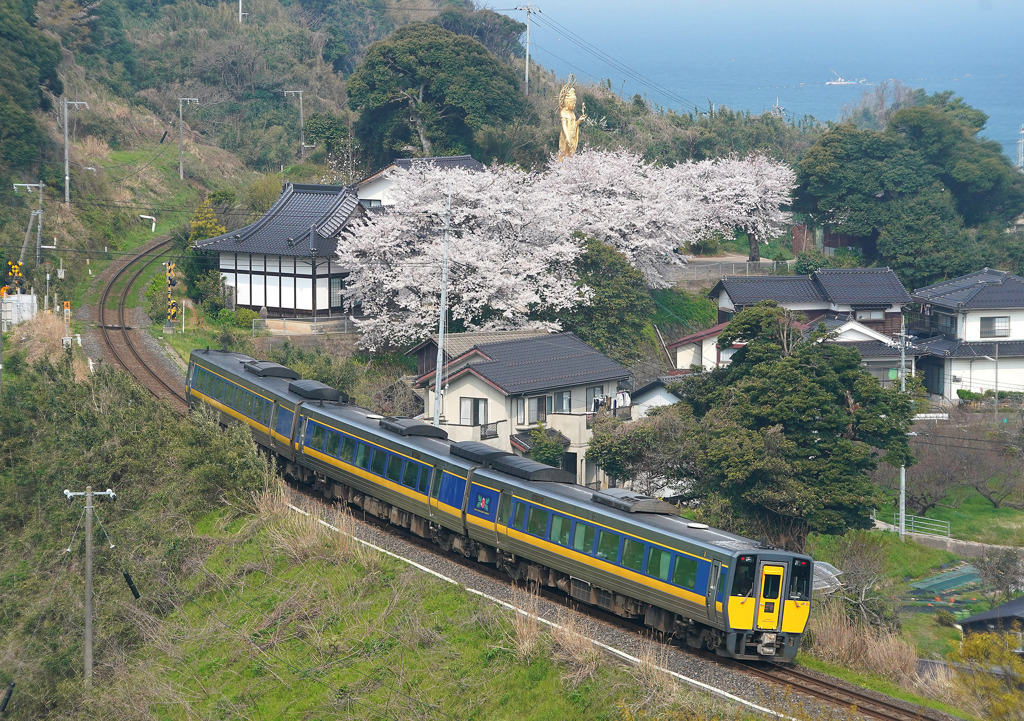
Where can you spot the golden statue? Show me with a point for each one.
(569, 136)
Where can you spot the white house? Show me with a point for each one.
(285, 261)
(873, 296)
(971, 331)
(373, 191)
(880, 354)
(497, 392)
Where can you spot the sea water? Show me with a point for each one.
(757, 55)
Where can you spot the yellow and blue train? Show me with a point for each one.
(629, 554)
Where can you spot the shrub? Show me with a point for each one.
(244, 317)
(945, 618)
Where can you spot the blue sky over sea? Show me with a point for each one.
(752, 54)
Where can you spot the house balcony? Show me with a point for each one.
(489, 431)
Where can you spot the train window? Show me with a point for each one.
(633, 554)
(800, 580)
(425, 479)
(743, 581)
(608, 546)
(218, 389)
(333, 441)
(284, 421)
(685, 572)
(435, 489)
(583, 537)
(318, 437)
(362, 455)
(772, 586)
(229, 396)
(504, 505)
(268, 408)
(208, 383)
(537, 522)
(658, 562)
(560, 529)
(348, 445)
(394, 472)
(517, 519)
(411, 474)
(380, 459)
(247, 404)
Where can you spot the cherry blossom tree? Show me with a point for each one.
(510, 254)
(514, 235)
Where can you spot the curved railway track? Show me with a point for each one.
(787, 677)
(117, 335)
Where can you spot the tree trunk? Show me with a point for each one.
(755, 247)
(417, 123)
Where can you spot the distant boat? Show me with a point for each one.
(840, 80)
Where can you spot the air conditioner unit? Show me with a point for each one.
(954, 379)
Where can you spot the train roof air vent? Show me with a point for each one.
(409, 427)
(268, 369)
(531, 470)
(477, 452)
(631, 502)
(316, 391)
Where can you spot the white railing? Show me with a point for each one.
(301, 326)
(922, 525)
(715, 271)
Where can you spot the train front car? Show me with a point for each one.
(769, 601)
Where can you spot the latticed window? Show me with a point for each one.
(995, 327)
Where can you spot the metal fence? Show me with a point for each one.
(922, 525)
(301, 326)
(715, 271)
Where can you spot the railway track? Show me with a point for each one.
(787, 677)
(117, 335)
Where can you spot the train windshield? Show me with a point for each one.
(800, 580)
(743, 579)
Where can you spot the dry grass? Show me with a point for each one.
(656, 688)
(303, 537)
(571, 648)
(41, 338)
(837, 640)
(525, 635)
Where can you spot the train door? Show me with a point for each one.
(435, 490)
(769, 602)
(716, 572)
(501, 519)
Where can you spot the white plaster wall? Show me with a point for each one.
(979, 375)
(972, 324)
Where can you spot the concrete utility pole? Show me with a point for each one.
(88, 493)
(302, 124)
(443, 316)
(67, 170)
(38, 215)
(528, 9)
(903, 466)
(241, 14)
(181, 135)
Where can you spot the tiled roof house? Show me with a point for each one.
(496, 392)
(972, 331)
(285, 261)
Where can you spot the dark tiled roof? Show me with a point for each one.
(1011, 610)
(859, 286)
(304, 221)
(945, 348)
(985, 288)
(545, 363)
(839, 286)
(524, 440)
(746, 291)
